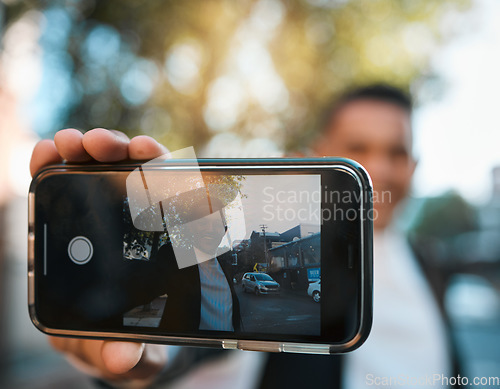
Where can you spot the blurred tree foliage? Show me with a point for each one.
(186, 71)
(445, 217)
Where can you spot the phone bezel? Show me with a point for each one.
(366, 231)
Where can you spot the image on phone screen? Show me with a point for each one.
(247, 253)
(258, 273)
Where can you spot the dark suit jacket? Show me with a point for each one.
(133, 283)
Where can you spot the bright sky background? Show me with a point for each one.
(458, 138)
(277, 191)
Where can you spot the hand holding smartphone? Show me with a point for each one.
(316, 232)
(107, 359)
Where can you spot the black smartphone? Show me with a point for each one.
(255, 254)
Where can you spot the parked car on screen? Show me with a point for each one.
(314, 291)
(259, 283)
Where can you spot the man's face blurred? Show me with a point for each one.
(378, 136)
(207, 233)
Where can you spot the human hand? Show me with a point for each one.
(110, 360)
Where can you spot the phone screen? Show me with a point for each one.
(257, 254)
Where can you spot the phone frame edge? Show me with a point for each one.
(355, 342)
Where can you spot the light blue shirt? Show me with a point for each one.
(216, 312)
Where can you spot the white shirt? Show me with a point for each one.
(408, 338)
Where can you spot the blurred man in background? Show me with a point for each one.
(409, 342)
(409, 339)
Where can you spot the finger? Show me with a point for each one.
(45, 153)
(83, 354)
(144, 147)
(105, 146)
(70, 147)
(104, 359)
(112, 360)
(153, 360)
(121, 357)
(120, 134)
(133, 360)
(57, 343)
(86, 350)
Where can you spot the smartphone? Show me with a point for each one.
(255, 254)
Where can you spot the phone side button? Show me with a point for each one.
(31, 251)
(230, 344)
(252, 345)
(303, 348)
(31, 287)
(31, 210)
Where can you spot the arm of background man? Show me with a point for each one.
(109, 360)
